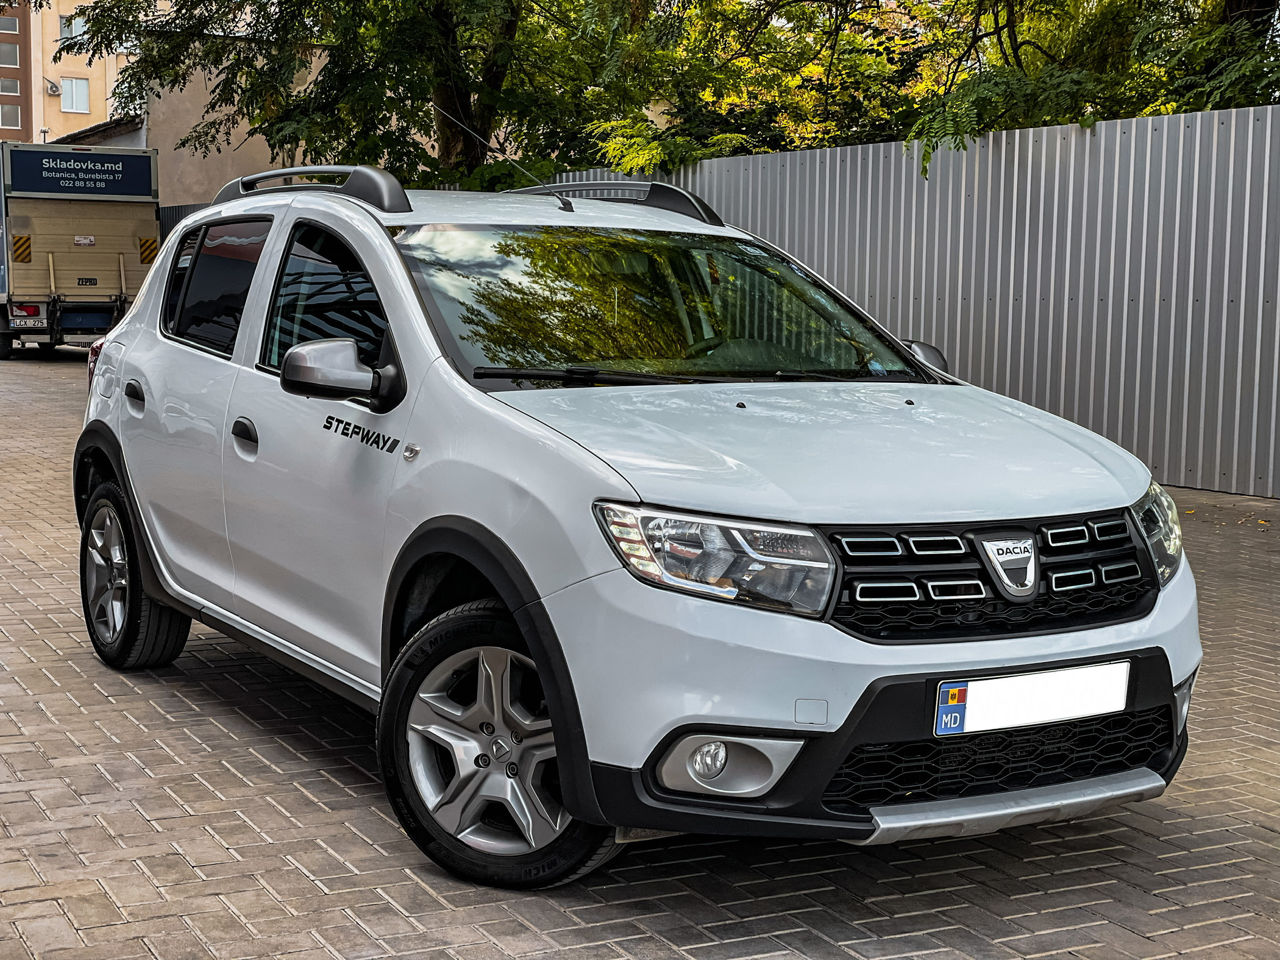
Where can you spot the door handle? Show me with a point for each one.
(243, 429)
(133, 390)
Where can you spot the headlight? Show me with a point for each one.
(1158, 517)
(779, 567)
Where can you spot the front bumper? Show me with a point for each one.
(649, 666)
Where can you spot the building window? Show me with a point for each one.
(10, 87)
(8, 24)
(70, 27)
(75, 95)
(10, 116)
(8, 54)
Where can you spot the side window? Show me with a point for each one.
(178, 278)
(216, 268)
(323, 292)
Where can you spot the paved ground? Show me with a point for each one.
(224, 807)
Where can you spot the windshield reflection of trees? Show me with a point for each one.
(649, 301)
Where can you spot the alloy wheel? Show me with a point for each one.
(482, 753)
(107, 575)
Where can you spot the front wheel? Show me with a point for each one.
(468, 754)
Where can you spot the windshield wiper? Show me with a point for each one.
(896, 376)
(806, 375)
(583, 376)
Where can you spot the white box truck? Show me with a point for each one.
(80, 234)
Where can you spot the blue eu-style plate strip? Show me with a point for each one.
(951, 704)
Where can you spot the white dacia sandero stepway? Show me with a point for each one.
(623, 522)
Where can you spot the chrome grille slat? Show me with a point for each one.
(862, 546)
(1071, 536)
(1062, 581)
(1107, 530)
(883, 592)
(1120, 572)
(953, 589)
(936, 546)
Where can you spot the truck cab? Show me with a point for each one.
(80, 233)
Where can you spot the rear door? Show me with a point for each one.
(307, 498)
(176, 381)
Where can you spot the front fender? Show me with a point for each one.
(480, 547)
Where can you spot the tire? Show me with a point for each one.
(458, 769)
(129, 630)
(6, 346)
(46, 349)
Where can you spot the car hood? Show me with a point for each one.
(841, 452)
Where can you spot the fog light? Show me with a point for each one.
(726, 766)
(708, 760)
(1182, 698)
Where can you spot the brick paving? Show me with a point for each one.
(226, 808)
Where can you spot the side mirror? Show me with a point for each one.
(929, 354)
(329, 369)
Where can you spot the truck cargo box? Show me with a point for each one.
(80, 234)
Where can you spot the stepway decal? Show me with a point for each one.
(371, 438)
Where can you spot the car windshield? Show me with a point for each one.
(548, 299)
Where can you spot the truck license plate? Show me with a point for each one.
(1030, 699)
(26, 322)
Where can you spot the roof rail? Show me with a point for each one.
(373, 186)
(656, 194)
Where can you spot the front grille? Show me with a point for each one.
(925, 584)
(971, 765)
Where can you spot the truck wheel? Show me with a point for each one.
(46, 349)
(6, 346)
(468, 755)
(129, 630)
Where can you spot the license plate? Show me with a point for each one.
(24, 322)
(1030, 699)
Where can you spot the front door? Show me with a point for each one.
(176, 383)
(306, 496)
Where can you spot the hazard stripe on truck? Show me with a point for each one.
(22, 248)
(147, 248)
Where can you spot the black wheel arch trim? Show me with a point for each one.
(475, 544)
(97, 437)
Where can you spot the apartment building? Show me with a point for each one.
(40, 100)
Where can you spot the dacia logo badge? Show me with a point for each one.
(1013, 561)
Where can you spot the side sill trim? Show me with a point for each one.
(987, 814)
(360, 692)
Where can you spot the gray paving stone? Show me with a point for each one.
(224, 807)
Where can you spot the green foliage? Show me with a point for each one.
(651, 85)
(360, 81)
(1039, 62)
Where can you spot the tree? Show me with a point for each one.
(360, 81)
(655, 84)
(763, 75)
(1022, 63)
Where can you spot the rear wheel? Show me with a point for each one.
(129, 630)
(6, 346)
(468, 753)
(46, 349)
